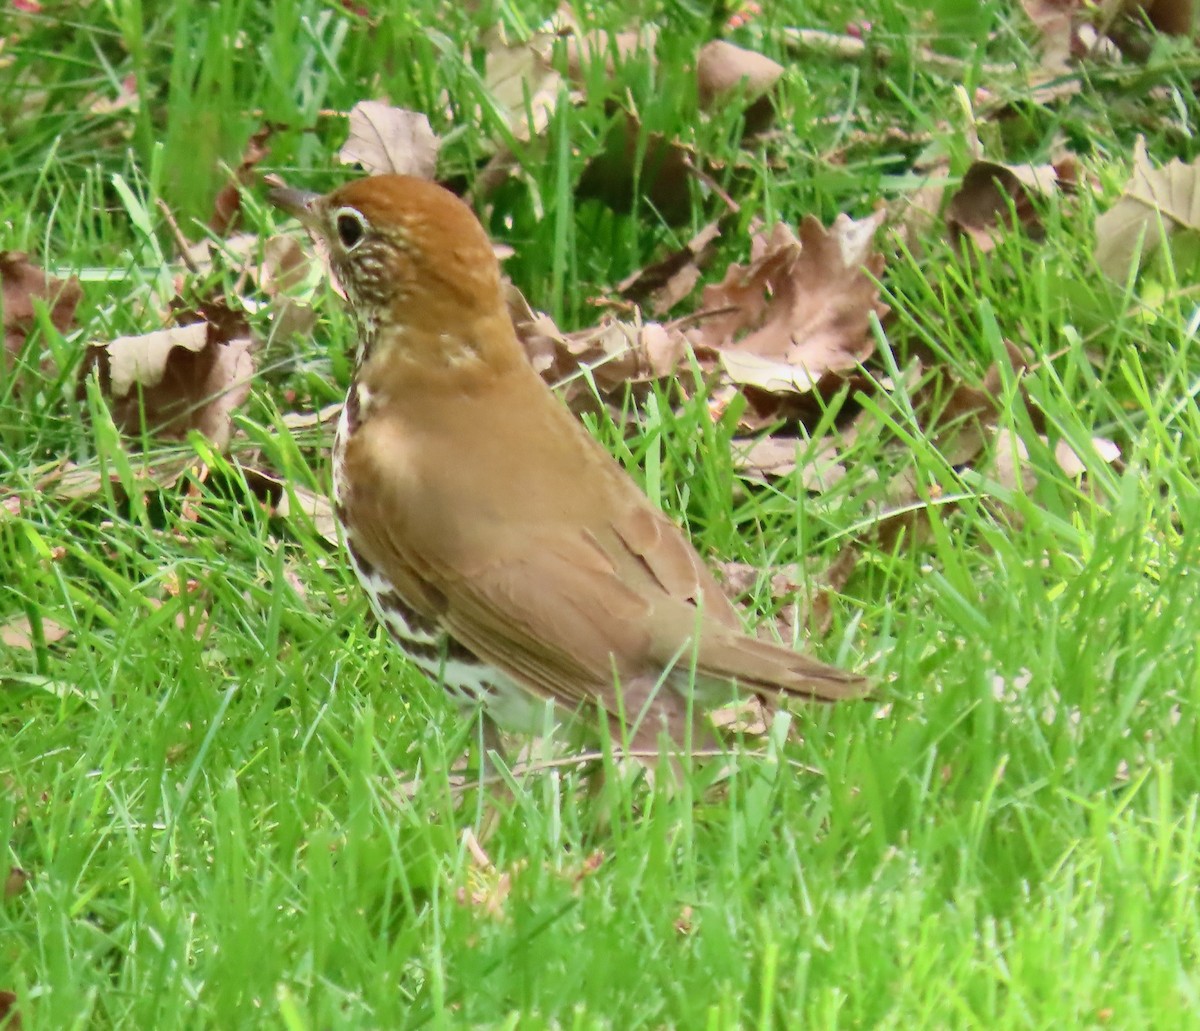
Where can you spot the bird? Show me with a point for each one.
(508, 554)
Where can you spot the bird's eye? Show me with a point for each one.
(351, 228)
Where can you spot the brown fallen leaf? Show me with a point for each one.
(10, 1017)
(585, 48)
(803, 301)
(276, 496)
(1073, 464)
(285, 265)
(990, 192)
(726, 74)
(327, 416)
(614, 353)
(317, 508)
(15, 882)
(21, 285)
(653, 170)
(914, 213)
(390, 140)
(73, 482)
(1059, 44)
(286, 268)
(1157, 205)
(175, 380)
(1174, 17)
(768, 458)
(800, 596)
(18, 633)
(520, 76)
(228, 202)
(724, 70)
(665, 283)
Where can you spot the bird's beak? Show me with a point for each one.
(300, 203)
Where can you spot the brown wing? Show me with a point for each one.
(563, 575)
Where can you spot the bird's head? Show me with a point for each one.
(408, 253)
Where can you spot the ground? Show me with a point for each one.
(228, 802)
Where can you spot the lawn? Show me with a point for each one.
(226, 801)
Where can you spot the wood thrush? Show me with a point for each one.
(507, 553)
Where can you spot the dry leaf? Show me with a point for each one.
(726, 73)
(767, 458)
(615, 353)
(775, 377)
(805, 302)
(801, 597)
(632, 170)
(74, 482)
(316, 507)
(916, 212)
(228, 202)
(286, 267)
(585, 48)
(1168, 196)
(390, 140)
(1072, 464)
(327, 416)
(15, 882)
(990, 191)
(238, 252)
(10, 1018)
(1175, 17)
(175, 380)
(1057, 23)
(521, 78)
(277, 497)
(665, 283)
(21, 284)
(18, 633)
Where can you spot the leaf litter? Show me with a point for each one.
(790, 331)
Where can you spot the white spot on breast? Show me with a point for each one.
(340, 436)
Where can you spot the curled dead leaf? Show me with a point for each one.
(668, 281)
(1073, 464)
(22, 284)
(390, 140)
(800, 596)
(804, 301)
(175, 380)
(1158, 205)
(317, 508)
(614, 353)
(725, 72)
(640, 167)
(285, 268)
(228, 202)
(521, 78)
(768, 458)
(10, 1017)
(19, 633)
(15, 882)
(990, 192)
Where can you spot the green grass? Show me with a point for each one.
(234, 800)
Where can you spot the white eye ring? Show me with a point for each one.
(350, 226)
